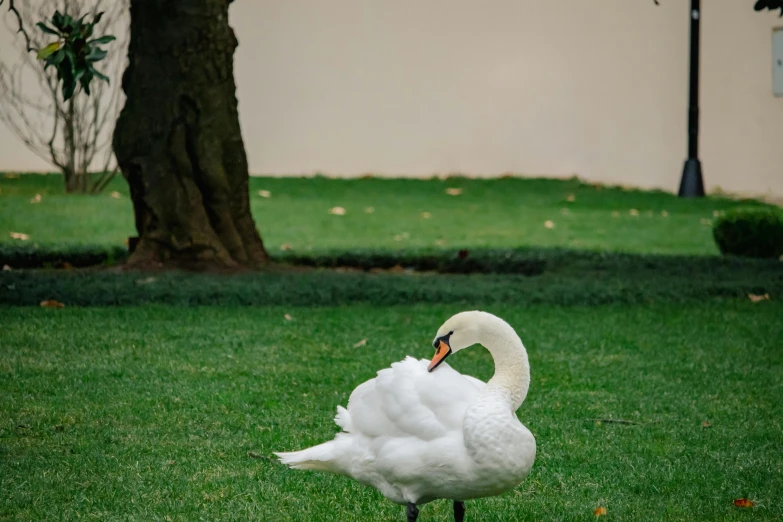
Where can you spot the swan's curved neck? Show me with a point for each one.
(512, 369)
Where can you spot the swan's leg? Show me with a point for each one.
(413, 512)
(459, 511)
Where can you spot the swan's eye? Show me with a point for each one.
(442, 338)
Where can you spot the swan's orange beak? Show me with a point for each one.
(441, 352)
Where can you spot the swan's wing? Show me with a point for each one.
(406, 400)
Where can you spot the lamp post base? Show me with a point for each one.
(692, 183)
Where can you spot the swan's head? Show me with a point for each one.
(460, 331)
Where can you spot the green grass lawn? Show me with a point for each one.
(496, 213)
(169, 413)
(114, 408)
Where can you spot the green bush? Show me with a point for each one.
(750, 232)
(527, 262)
(60, 256)
(566, 278)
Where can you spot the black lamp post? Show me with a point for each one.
(692, 183)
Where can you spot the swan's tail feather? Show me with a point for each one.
(343, 419)
(317, 458)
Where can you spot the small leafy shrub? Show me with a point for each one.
(75, 52)
(750, 232)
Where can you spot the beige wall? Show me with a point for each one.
(419, 87)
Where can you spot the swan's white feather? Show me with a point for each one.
(397, 425)
(406, 400)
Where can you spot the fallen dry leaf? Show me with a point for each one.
(288, 317)
(452, 191)
(11, 175)
(599, 511)
(426, 215)
(19, 235)
(285, 246)
(51, 303)
(571, 197)
(549, 223)
(369, 210)
(706, 221)
(706, 424)
(116, 195)
(743, 502)
(360, 343)
(145, 281)
(7, 268)
(337, 211)
(264, 193)
(633, 212)
(757, 298)
(615, 213)
(36, 199)
(442, 242)
(664, 213)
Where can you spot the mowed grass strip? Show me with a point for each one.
(165, 413)
(297, 215)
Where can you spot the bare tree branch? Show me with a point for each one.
(21, 29)
(52, 152)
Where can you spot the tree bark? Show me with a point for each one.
(73, 178)
(178, 140)
(74, 181)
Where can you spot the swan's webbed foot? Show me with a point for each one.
(413, 512)
(459, 511)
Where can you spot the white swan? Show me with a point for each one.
(418, 436)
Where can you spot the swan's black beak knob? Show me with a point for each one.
(442, 350)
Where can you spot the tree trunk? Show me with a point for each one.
(73, 178)
(178, 141)
(70, 180)
(75, 182)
